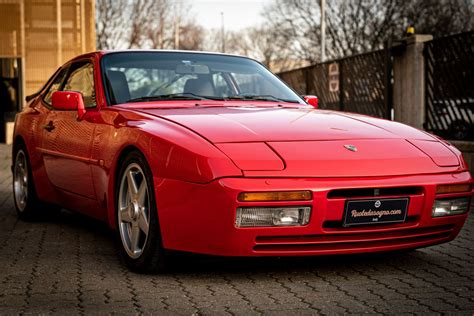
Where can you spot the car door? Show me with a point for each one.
(66, 145)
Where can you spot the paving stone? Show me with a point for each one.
(67, 265)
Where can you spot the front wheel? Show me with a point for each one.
(138, 231)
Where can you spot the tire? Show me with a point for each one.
(26, 201)
(137, 227)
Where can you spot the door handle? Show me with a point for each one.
(49, 127)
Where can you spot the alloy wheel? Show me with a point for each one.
(133, 210)
(20, 180)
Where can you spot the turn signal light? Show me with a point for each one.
(275, 196)
(453, 188)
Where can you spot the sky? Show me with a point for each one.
(238, 14)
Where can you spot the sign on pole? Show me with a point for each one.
(334, 77)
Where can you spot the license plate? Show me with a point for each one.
(364, 212)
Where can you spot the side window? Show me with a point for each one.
(55, 85)
(254, 84)
(248, 83)
(81, 79)
(222, 88)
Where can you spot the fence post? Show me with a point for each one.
(409, 80)
(388, 91)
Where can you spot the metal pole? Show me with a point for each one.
(222, 33)
(59, 34)
(323, 30)
(177, 25)
(22, 56)
(83, 26)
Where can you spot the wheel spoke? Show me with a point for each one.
(143, 221)
(142, 192)
(132, 185)
(134, 238)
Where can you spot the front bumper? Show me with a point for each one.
(200, 217)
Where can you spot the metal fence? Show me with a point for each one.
(363, 83)
(449, 70)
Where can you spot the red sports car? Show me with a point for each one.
(213, 154)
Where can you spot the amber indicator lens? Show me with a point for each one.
(453, 188)
(275, 196)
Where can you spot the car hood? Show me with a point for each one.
(314, 143)
(257, 124)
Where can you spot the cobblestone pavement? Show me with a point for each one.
(68, 265)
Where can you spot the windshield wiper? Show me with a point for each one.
(259, 98)
(171, 96)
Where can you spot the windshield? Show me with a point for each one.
(148, 76)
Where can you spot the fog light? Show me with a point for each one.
(445, 207)
(272, 216)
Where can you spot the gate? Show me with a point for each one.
(363, 84)
(449, 71)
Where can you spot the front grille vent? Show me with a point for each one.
(355, 241)
(374, 192)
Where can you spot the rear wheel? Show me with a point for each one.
(138, 230)
(24, 193)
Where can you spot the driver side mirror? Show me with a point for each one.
(311, 100)
(69, 101)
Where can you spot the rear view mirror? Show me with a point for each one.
(311, 100)
(69, 101)
(188, 69)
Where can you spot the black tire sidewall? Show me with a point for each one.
(152, 258)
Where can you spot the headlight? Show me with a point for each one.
(454, 206)
(272, 216)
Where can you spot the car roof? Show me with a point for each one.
(99, 53)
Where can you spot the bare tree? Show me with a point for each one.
(109, 23)
(146, 24)
(356, 26)
(441, 17)
(294, 25)
(159, 25)
(256, 42)
(141, 10)
(191, 36)
(362, 25)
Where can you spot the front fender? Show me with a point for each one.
(172, 151)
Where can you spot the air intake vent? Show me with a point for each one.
(374, 192)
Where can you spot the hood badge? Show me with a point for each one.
(350, 147)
